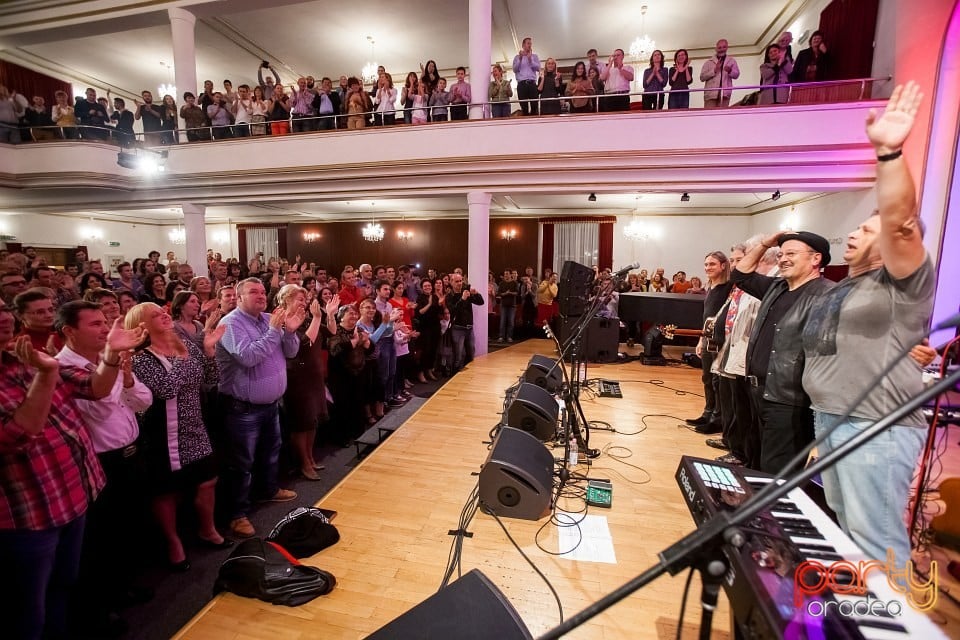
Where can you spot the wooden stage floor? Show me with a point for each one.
(396, 508)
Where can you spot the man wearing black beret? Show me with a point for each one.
(775, 351)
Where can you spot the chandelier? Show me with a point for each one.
(636, 230)
(373, 232)
(369, 73)
(642, 46)
(169, 88)
(178, 235)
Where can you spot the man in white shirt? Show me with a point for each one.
(616, 80)
(114, 527)
(718, 73)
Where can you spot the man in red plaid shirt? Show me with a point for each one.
(49, 475)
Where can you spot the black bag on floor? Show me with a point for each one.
(304, 532)
(266, 571)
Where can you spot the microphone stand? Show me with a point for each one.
(702, 549)
(571, 395)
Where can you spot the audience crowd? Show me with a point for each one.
(268, 107)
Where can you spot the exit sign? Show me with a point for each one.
(114, 244)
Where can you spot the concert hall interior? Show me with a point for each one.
(401, 182)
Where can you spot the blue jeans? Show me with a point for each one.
(507, 316)
(387, 366)
(500, 109)
(460, 337)
(253, 433)
(868, 489)
(40, 569)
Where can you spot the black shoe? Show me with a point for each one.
(709, 428)
(697, 422)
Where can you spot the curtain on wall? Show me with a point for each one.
(577, 241)
(265, 240)
(584, 239)
(30, 83)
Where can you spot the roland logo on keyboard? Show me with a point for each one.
(845, 578)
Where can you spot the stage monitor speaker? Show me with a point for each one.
(471, 608)
(601, 338)
(517, 479)
(544, 372)
(573, 288)
(534, 410)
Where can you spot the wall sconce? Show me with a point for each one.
(508, 234)
(405, 235)
(221, 237)
(310, 237)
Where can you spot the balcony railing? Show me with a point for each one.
(826, 92)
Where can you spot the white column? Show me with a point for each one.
(478, 262)
(195, 226)
(184, 54)
(480, 21)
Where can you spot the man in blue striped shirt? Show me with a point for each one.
(253, 376)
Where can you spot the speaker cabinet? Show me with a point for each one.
(544, 372)
(471, 608)
(573, 288)
(517, 479)
(601, 338)
(535, 411)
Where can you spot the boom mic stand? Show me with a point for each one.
(702, 548)
(571, 393)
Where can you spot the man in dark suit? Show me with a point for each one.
(327, 105)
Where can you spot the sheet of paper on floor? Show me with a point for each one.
(596, 544)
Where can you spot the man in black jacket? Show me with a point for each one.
(460, 303)
(327, 105)
(775, 351)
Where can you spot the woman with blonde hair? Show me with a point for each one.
(63, 116)
(179, 458)
(305, 400)
(385, 114)
(550, 86)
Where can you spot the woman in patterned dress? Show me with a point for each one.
(178, 453)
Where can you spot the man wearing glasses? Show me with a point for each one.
(775, 351)
(11, 284)
(35, 309)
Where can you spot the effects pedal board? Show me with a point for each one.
(599, 493)
(610, 389)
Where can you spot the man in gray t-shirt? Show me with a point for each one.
(860, 326)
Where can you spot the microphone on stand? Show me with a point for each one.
(627, 269)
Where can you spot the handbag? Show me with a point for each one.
(266, 571)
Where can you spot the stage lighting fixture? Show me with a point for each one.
(776, 195)
(145, 161)
(592, 197)
(653, 348)
(685, 197)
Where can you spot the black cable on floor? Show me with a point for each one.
(525, 557)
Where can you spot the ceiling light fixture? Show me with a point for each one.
(642, 46)
(369, 73)
(775, 195)
(373, 232)
(168, 89)
(685, 197)
(178, 235)
(592, 197)
(635, 229)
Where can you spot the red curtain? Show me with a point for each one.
(547, 258)
(605, 258)
(29, 83)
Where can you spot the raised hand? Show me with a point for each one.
(209, 306)
(120, 339)
(278, 317)
(294, 319)
(887, 131)
(211, 338)
(25, 353)
(333, 305)
(773, 239)
(315, 309)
